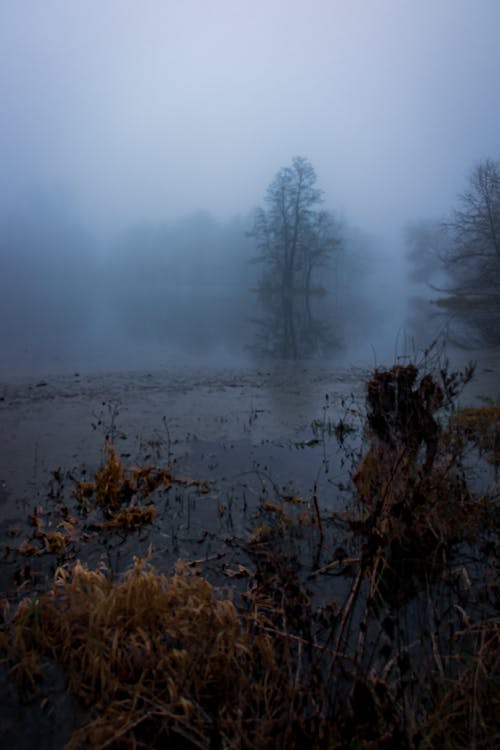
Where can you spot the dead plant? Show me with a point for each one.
(162, 659)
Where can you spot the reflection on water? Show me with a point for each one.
(465, 324)
(225, 326)
(294, 326)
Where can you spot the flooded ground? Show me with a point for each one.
(215, 424)
(229, 419)
(246, 437)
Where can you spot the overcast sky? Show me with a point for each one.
(151, 109)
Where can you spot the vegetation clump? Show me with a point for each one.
(115, 485)
(156, 658)
(120, 492)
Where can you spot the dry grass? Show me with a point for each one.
(465, 711)
(157, 658)
(482, 427)
(116, 485)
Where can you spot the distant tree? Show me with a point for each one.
(473, 255)
(466, 247)
(427, 245)
(293, 235)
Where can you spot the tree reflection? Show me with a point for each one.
(293, 326)
(463, 325)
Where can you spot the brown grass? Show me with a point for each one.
(116, 485)
(481, 426)
(155, 658)
(465, 711)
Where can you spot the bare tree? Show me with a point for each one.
(461, 258)
(473, 256)
(293, 235)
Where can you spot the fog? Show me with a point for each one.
(137, 140)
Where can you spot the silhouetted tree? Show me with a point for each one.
(460, 258)
(294, 236)
(472, 258)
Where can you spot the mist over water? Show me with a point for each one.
(178, 295)
(137, 141)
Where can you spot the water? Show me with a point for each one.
(190, 326)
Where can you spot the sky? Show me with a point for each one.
(148, 110)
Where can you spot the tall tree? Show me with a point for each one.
(473, 255)
(461, 257)
(293, 235)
